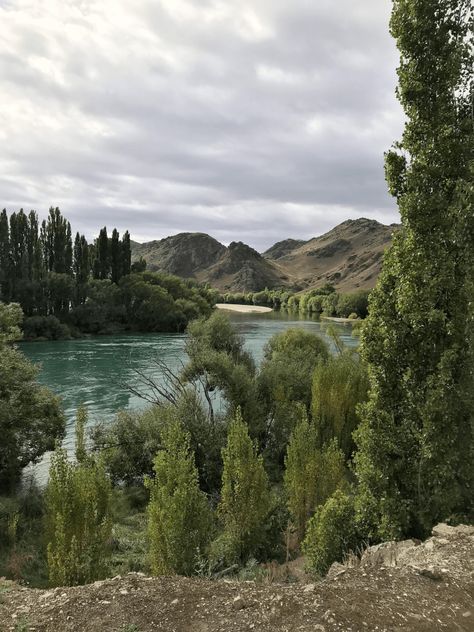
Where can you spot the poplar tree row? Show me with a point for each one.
(45, 270)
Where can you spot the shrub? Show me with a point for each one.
(78, 526)
(245, 499)
(311, 474)
(331, 533)
(45, 327)
(179, 518)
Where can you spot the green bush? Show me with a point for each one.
(311, 474)
(77, 519)
(245, 500)
(45, 327)
(331, 533)
(179, 517)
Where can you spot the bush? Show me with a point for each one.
(331, 533)
(45, 327)
(179, 517)
(78, 525)
(245, 500)
(311, 474)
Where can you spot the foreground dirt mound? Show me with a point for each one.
(396, 586)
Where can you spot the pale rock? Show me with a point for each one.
(238, 603)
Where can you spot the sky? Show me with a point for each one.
(251, 120)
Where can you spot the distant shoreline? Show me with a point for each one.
(243, 309)
(342, 321)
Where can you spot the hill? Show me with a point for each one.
(348, 256)
(405, 586)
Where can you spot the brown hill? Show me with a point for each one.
(236, 268)
(349, 256)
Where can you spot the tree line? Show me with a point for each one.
(323, 300)
(46, 271)
(66, 287)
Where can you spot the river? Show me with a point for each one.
(96, 371)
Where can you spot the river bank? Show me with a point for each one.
(243, 309)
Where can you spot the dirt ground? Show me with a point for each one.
(396, 586)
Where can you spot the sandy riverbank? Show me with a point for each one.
(243, 309)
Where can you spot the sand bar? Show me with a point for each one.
(243, 309)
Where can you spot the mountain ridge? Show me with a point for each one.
(349, 256)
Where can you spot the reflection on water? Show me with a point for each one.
(96, 371)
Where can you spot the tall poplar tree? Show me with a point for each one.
(102, 251)
(5, 261)
(115, 258)
(415, 457)
(126, 256)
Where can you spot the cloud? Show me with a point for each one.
(252, 120)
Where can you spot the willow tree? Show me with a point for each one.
(416, 440)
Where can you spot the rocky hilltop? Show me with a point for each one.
(396, 586)
(349, 256)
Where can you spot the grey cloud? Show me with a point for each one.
(248, 120)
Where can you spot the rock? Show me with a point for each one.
(309, 588)
(432, 572)
(174, 602)
(444, 530)
(336, 570)
(387, 553)
(238, 603)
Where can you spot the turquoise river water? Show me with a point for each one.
(96, 371)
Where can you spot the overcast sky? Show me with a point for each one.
(251, 120)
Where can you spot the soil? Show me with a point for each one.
(396, 586)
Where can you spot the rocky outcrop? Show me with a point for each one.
(397, 586)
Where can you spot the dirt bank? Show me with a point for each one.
(397, 586)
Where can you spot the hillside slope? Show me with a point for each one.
(349, 256)
(404, 586)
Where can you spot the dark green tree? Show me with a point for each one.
(126, 255)
(81, 267)
(415, 457)
(5, 258)
(103, 255)
(115, 257)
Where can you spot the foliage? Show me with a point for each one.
(30, 415)
(284, 381)
(311, 474)
(245, 498)
(416, 445)
(218, 361)
(66, 286)
(11, 317)
(331, 533)
(130, 442)
(339, 385)
(77, 520)
(179, 515)
(49, 327)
